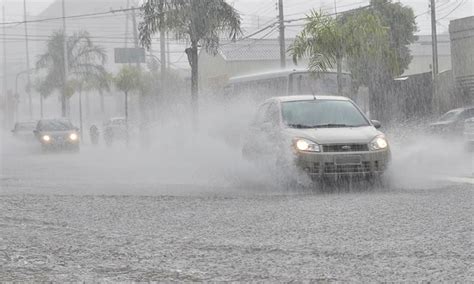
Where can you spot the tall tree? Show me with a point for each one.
(326, 41)
(85, 63)
(201, 22)
(378, 70)
(127, 80)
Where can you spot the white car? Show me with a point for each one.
(469, 133)
(24, 130)
(322, 135)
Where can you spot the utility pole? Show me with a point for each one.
(282, 35)
(434, 38)
(168, 59)
(338, 61)
(135, 41)
(434, 43)
(64, 111)
(28, 81)
(163, 57)
(126, 24)
(135, 34)
(4, 95)
(162, 47)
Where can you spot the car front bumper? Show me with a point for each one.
(60, 144)
(335, 164)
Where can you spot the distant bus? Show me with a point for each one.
(286, 82)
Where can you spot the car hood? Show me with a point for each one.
(57, 133)
(441, 123)
(361, 135)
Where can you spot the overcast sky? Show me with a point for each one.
(258, 12)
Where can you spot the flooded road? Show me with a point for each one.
(87, 217)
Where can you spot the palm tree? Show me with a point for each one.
(201, 22)
(85, 63)
(128, 79)
(327, 41)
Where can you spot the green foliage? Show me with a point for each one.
(201, 21)
(85, 64)
(401, 21)
(393, 58)
(374, 41)
(128, 79)
(325, 39)
(320, 41)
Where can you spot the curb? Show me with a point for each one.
(465, 180)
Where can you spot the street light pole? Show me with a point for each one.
(434, 42)
(80, 116)
(28, 71)
(28, 87)
(282, 35)
(64, 111)
(4, 85)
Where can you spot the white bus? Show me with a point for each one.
(286, 82)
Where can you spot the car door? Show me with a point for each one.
(265, 129)
(459, 123)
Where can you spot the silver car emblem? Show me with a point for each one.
(346, 147)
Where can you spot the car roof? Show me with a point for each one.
(461, 109)
(308, 98)
(64, 119)
(274, 74)
(117, 118)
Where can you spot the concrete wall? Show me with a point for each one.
(422, 51)
(462, 54)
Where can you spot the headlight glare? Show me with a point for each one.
(46, 138)
(73, 136)
(378, 143)
(305, 145)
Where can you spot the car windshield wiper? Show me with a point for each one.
(297, 125)
(331, 125)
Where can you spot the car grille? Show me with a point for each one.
(314, 169)
(345, 147)
(332, 168)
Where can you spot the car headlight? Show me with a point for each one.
(73, 136)
(46, 138)
(305, 145)
(378, 143)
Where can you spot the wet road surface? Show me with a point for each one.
(86, 217)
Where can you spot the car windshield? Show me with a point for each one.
(450, 115)
(56, 125)
(322, 113)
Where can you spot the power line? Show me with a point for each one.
(70, 17)
(459, 5)
(439, 8)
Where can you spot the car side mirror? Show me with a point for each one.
(376, 124)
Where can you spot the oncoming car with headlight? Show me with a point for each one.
(322, 135)
(58, 133)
